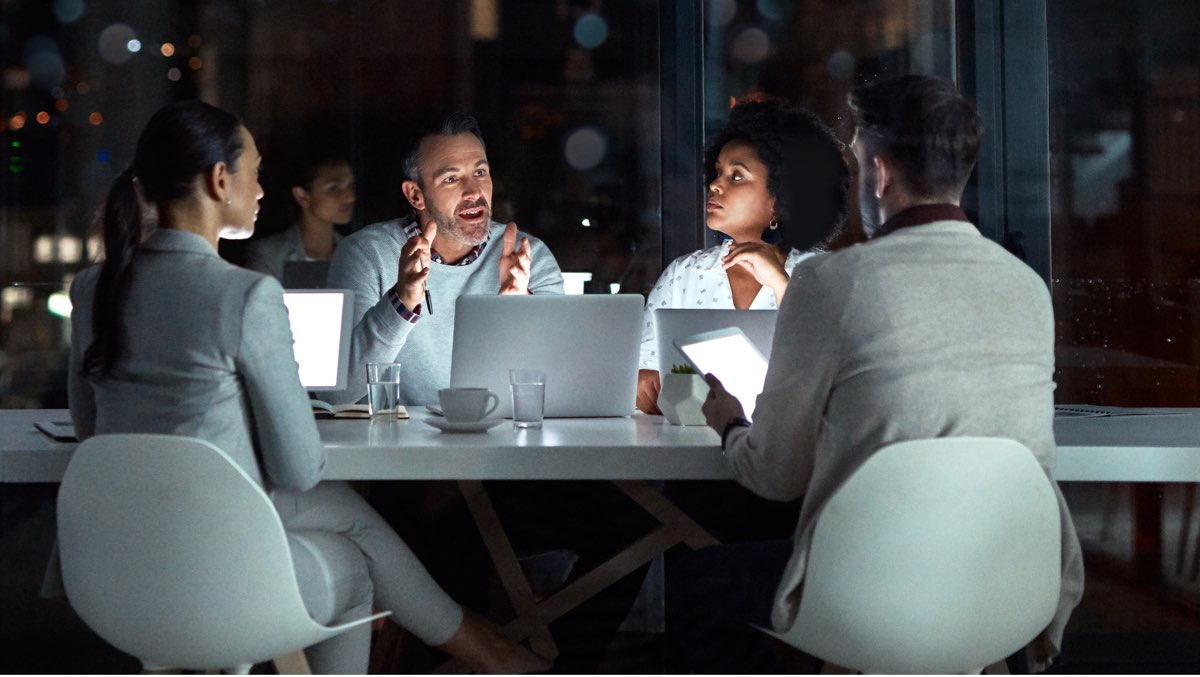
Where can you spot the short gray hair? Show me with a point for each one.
(452, 125)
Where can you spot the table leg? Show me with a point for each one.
(1147, 531)
(507, 567)
(667, 513)
(533, 617)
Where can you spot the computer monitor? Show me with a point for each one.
(321, 321)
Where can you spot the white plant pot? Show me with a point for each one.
(681, 397)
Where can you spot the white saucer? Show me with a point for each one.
(471, 427)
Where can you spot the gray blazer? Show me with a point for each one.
(932, 331)
(207, 353)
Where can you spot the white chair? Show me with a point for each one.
(936, 556)
(171, 553)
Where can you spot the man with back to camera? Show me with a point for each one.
(926, 330)
(450, 247)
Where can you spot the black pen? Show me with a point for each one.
(428, 302)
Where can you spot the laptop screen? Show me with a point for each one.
(321, 322)
(587, 346)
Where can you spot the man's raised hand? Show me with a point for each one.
(413, 267)
(516, 262)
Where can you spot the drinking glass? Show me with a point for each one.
(383, 388)
(528, 397)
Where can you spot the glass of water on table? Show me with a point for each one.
(528, 397)
(383, 389)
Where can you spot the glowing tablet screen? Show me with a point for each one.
(730, 356)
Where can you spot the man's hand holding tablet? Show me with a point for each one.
(734, 369)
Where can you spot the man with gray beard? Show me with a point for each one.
(398, 269)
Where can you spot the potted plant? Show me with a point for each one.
(682, 394)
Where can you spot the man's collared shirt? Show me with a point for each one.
(411, 229)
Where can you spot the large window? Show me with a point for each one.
(567, 93)
(814, 53)
(1125, 189)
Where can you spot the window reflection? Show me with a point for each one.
(814, 53)
(567, 93)
(1125, 133)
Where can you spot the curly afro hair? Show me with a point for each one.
(807, 172)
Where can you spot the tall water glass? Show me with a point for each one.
(528, 397)
(383, 388)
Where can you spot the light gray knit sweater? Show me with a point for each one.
(366, 263)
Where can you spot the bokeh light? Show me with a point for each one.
(174, 74)
(774, 10)
(114, 43)
(720, 12)
(195, 63)
(44, 61)
(42, 117)
(194, 41)
(17, 121)
(750, 46)
(134, 45)
(167, 49)
(585, 148)
(68, 11)
(95, 118)
(841, 65)
(591, 30)
(61, 105)
(83, 88)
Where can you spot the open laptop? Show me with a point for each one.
(671, 324)
(321, 322)
(586, 345)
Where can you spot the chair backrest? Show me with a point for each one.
(936, 556)
(171, 553)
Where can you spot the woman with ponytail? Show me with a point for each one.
(169, 338)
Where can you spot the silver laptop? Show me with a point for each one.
(586, 345)
(671, 324)
(321, 320)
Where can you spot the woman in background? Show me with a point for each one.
(778, 185)
(323, 195)
(169, 338)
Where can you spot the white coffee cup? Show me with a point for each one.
(467, 405)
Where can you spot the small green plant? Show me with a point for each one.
(682, 369)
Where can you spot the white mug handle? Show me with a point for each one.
(495, 403)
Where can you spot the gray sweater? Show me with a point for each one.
(366, 262)
(931, 331)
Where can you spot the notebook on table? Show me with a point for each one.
(675, 323)
(586, 345)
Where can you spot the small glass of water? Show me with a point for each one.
(528, 397)
(383, 388)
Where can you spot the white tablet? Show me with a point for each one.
(729, 355)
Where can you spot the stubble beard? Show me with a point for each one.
(451, 227)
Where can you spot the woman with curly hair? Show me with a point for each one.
(778, 185)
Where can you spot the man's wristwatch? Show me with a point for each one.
(734, 422)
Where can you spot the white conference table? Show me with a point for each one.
(1095, 444)
(1125, 445)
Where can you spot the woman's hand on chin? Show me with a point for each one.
(763, 261)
